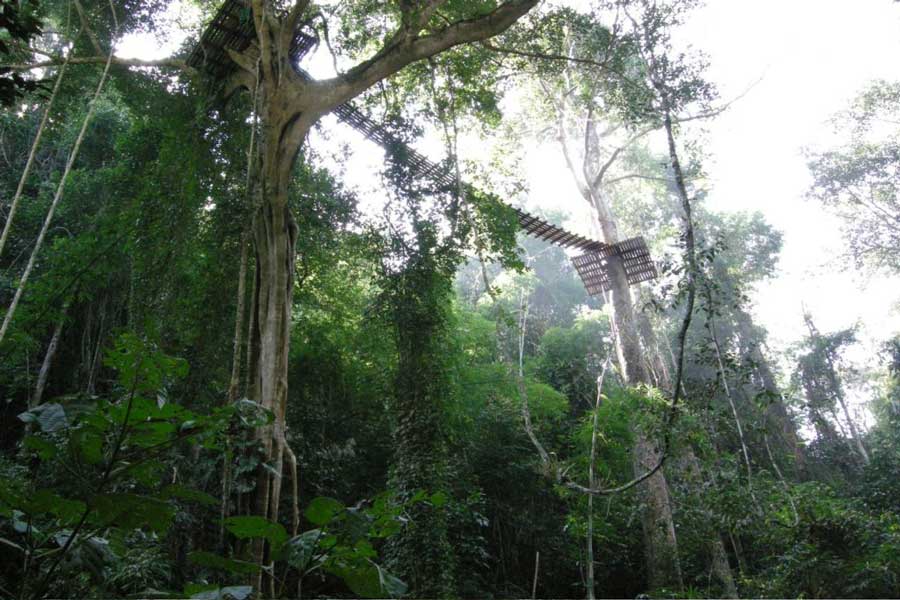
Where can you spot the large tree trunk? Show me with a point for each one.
(660, 541)
(776, 410)
(274, 234)
(837, 391)
(287, 105)
(44, 373)
(718, 557)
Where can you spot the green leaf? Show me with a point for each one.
(9, 498)
(257, 527)
(188, 494)
(214, 561)
(147, 473)
(89, 444)
(322, 510)
(46, 501)
(391, 585)
(44, 449)
(131, 511)
(363, 580)
(370, 581)
(150, 434)
(438, 499)
(300, 549)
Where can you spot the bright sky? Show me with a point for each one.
(813, 56)
(810, 57)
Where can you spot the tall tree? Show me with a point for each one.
(287, 104)
(859, 181)
(605, 94)
(820, 375)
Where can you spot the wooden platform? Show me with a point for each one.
(232, 28)
(593, 267)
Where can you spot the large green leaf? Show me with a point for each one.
(131, 511)
(257, 527)
(438, 499)
(44, 449)
(188, 494)
(323, 510)
(363, 580)
(88, 442)
(369, 580)
(46, 501)
(299, 550)
(391, 585)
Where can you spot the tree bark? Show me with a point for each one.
(595, 432)
(30, 161)
(421, 553)
(838, 391)
(661, 544)
(274, 237)
(287, 105)
(718, 557)
(44, 373)
(722, 376)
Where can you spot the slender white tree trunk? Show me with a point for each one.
(595, 431)
(14, 205)
(44, 373)
(32, 260)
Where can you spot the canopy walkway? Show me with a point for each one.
(232, 28)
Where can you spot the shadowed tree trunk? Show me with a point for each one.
(824, 387)
(718, 556)
(44, 373)
(776, 411)
(421, 553)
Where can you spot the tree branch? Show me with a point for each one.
(404, 48)
(289, 26)
(87, 27)
(175, 63)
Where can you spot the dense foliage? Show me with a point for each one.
(453, 392)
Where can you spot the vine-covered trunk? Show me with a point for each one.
(44, 373)
(421, 554)
(718, 556)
